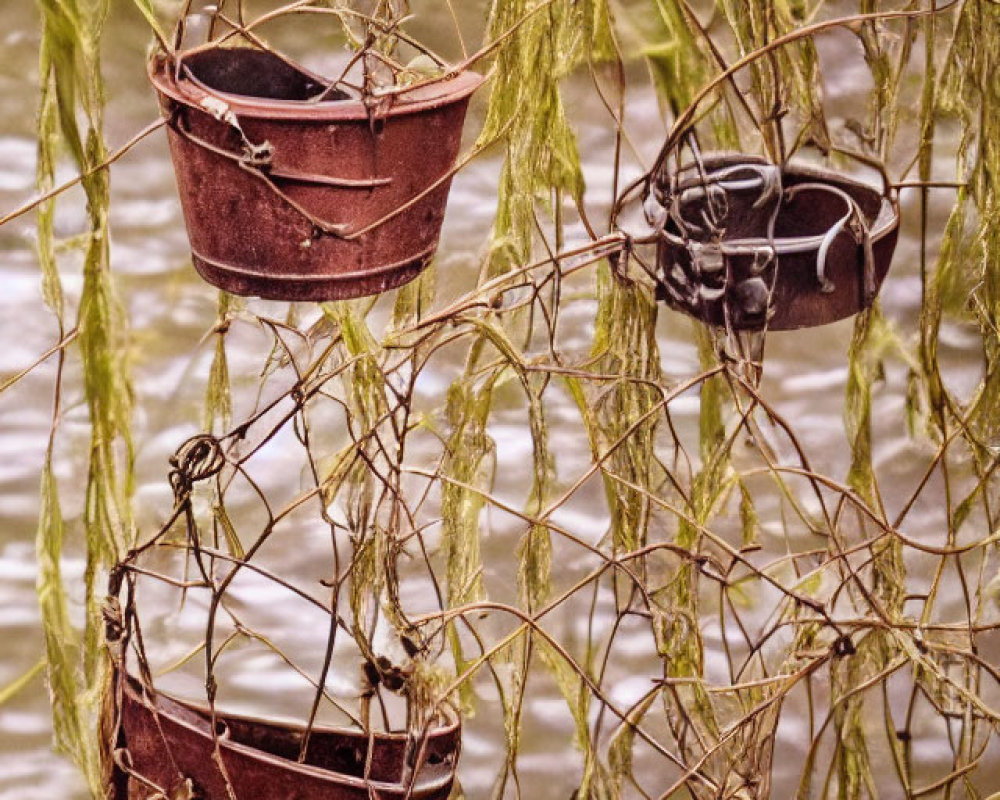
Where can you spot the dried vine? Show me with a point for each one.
(765, 592)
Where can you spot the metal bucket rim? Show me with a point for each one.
(886, 221)
(135, 685)
(423, 97)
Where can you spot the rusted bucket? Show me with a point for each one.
(292, 190)
(748, 245)
(168, 747)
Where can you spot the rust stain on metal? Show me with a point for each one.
(169, 743)
(275, 188)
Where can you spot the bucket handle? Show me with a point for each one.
(853, 221)
(256, 161)
(261, 157)
(643, 185)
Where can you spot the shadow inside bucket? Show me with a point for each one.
(256, 73)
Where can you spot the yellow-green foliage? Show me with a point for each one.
(529, 114)
(365, 387)
(72, 710)
(218, 397)
(873, 338)
(970, 91)
(466, 471)
(71, 91)
(786, 79)
(625, 345)
(682, 61)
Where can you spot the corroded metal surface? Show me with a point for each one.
(748, 245)
(169, 743)
(276, 188)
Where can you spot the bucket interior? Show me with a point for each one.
(812, 212)
(254, 73)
